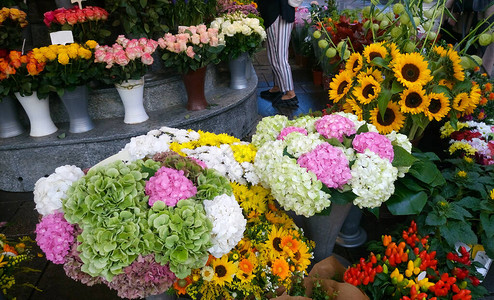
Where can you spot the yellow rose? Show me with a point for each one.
(72, 51)
(84, 53)
(63, 58)
(91, 44)
(50, 55)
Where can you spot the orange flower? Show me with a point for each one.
(476, 69)
(181, 284)
(491, 96)
(280, 268)
(289, 242)
(488, 87)
(481, 115)
(483, 101)
(8, 248)
(246, 266)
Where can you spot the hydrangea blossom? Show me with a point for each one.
(335, 126)
(401, 140)
(268, 129)
(376, 143)
(287, 130)
(328, 163)
(55, 236)
(170, 186)
(297, 144)
(49, 191)
(372, 179)
(228, 223)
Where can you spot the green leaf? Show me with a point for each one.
(469, 202)
(334, 142)
(374, 211)
(411, 183)
(382, 101)
(457, 231)
(402, 157)
(362, 129)
(396, 87)
(487, 221)
(379, 61)
(458, 213)
(427, 172)
(405, 201)
(143, 3)
(441, 89)
(339, 198)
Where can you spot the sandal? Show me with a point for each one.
(270, 96)
(289, 103)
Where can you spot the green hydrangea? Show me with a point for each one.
(210, 183)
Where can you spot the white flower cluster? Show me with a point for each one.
(222, 160)
(372, 179)
(298, 144)
(231, 24)
(268, 129)
(49, 191)
(156, 141)
(480, 127)
(293, 187)
(398, 139)
(228, 223)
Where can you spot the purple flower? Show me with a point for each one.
(170, 186)
(376, 143)
(335, 126)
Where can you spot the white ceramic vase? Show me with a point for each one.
(132, 94)
(38, 112)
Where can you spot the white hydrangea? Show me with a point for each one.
(306, 122)
(268, 129)
(228, 223)
(401, 140)
(298, 144)
(49, 191)
(372, 179)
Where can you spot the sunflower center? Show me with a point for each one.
(435, 106)
(410, 72)
(413, 100)
(276, 244)
(373, 55)
(297, 255)
(368, 91)
(389, 117)
(342, 87)
(355, 64)
(220, 271)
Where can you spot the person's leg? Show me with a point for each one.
(282, 67)
(271, 41)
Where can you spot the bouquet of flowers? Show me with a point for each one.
(232, 6)
(310, 162)
(12, 20)
(406, 267)
(485, 110)
(126, 59)
(239, 33)
(19, 73)
(67, 66)
(86, 23)
(191, 48)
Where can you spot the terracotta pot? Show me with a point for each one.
(194, 85)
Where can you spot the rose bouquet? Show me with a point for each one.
(310, 162)
(191, 48)
(232, 6)
(239, 33)
(67, 66)
(86, 23)
(19, 73)
(126, 59)
(12, 20)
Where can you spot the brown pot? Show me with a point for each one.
(194, 85)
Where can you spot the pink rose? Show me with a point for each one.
(122, 40)
(133, 53)
(213, 41)
(121, 58)
(201, 28)
(195, 39)
(204, 38)
(190, 52)
(81, 17)
(133, 43)
(49, 17)
(143, 41)
(147, 59)
(170, 38)
(99, 55)
(90, 14)
(161, 42)
(117, 47)
(71, 18)
(60, 18)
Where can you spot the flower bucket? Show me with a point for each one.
(194, 85)
(352, 234)
(132, 94)
(238, 71)
(76, 104)
(38, 112)
(9, 124)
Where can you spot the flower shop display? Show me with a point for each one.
(407, 267)
(127, 61)
(86, 24)
(242, 36)
(190, 51)
(12, 21)
(232, 6)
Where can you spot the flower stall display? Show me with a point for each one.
(232, 6)
(485, 109)
(86, 23)
(407, 267)
(19, 73)
(12, 21)
(309, 162)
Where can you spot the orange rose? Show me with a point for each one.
(31, 69)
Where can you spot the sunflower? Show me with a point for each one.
(413, 100)
(245, 277)
(375, 73)
(339, 87)
(367, 90)
(446, 83)
(393, 50)
(461, 102)
(440, 51)
(354, 63)
(375, 50)
(393, 119)
(302, 257)
(474, 95)
(223, 270)
(351, 106)
(455, 60)
(280, 268)
(438, 106)
(274, 241)
(411, 68)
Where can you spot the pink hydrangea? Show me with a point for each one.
(287, 130)
(170, 186)
(55, 236)
(376, 143)
(199, 162)
(335, 126)
(329, 163)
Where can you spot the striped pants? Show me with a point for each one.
(278, 39)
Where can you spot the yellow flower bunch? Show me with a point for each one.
(461, 146)
(64, 53)
(205, 139)
(13, 14)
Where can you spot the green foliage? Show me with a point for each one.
(189, 12)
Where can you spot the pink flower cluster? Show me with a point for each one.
(287, 130)
(75, 15)
(232, 6)
(188, 37)
(302, 15)
(376, 143)
(55, 236)
(335, 126)
(124, 51)
(329, 163)
(170, 186)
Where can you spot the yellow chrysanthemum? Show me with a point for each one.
(367, 90)
(468, 159)
(339, 86)
(413, 100)
(280, 268)
(462, 174)
(223, 270)
(455, 59)
(393, 119)
(491, 194)
(461, 102)
(438, 106)
(375, 50)
(354, 63)
(275, 218)
(375, 73)
(447, 129)
(244, 152)
(462, 146)
(411, 69)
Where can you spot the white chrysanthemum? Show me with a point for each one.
(298, 143)
(268, 129)
(250, 173)
(49, 191)
(480, 127)
(372, 179)
(479, 144)
(228, 223)
(147, 145)
(180, 135)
